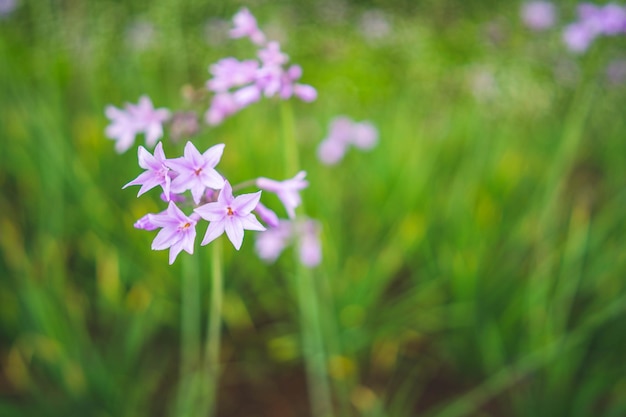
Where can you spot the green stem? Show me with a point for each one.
(308, 300)
(212, 345)
(190, 332)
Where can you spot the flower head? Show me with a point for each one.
(230, 72)
(137, 118)
(230, 214)
(288, 191)
(178, 232)
(196, 171)
(343, 133)
(246, 26)
(304, 233)
(157, 173)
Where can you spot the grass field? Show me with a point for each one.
(473, 261)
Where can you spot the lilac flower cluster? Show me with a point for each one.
(594, 21)
(304, 233)
(343, 133)
(212, 199)
(135, 119)
(237, 84)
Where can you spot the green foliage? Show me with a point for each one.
(473, 261)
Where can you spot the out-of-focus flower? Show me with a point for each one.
(538, 15)
(178, 231)
(196, 172)
(246, 26)
(267, 215)
(304, 233)
(343, 133)
(157, 173)
(288, 191)
(230, 72)
(594, 21)
(222, 106)
(144, 223)
(230, 214)
(136, 119)
(7, 7)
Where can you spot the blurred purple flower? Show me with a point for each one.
(538, 15)
(144, 223)
(196, 171)
(288, 191)
(271, 243)
(267, 215)
(246, 26)
(7, 7)
(578, 37)
(230, 214)
(304, 233)
(157, 173)
(230, 72)
(178, 231)
(343, 133)
(271, 55)
(222, 106)
(137, 118)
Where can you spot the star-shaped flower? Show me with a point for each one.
(196, 171)
(230, 214)
(178, 231)
(157, 173)
(288, 191)
(148, 119)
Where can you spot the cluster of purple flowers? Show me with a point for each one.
(237, 84)
(212, 200)
(594, 21)
(343, 134)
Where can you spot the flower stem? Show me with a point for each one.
(212, 345)
(190, 333)
(313, 348)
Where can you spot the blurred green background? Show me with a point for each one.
(474, 261)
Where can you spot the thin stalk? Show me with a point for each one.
(190, 333)
(213, 340)
(307, 294)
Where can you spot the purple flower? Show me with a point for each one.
(578, 37)
(157, 173)
(538, 15)
(288, 191)
(271, 55)
(137, 118)
(145, 223)
(246, 26)
(230, 72)
(178, 231)
(7, 7)
(343, 133)
(196, 171)
(230, 214)
(222, 106)
(309, 246)
(267, 215)
(271, 243)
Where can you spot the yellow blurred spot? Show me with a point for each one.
(341, 367)
(412, 229)
(47, 349)
(487, 213)
(363, 398)
(12, 244)
(107, 274)
(283, 348)
(138, 298)
(74, 378)
(510, 168)
(384, 355)
(235, 312)
(352, 315)
(16, 370)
